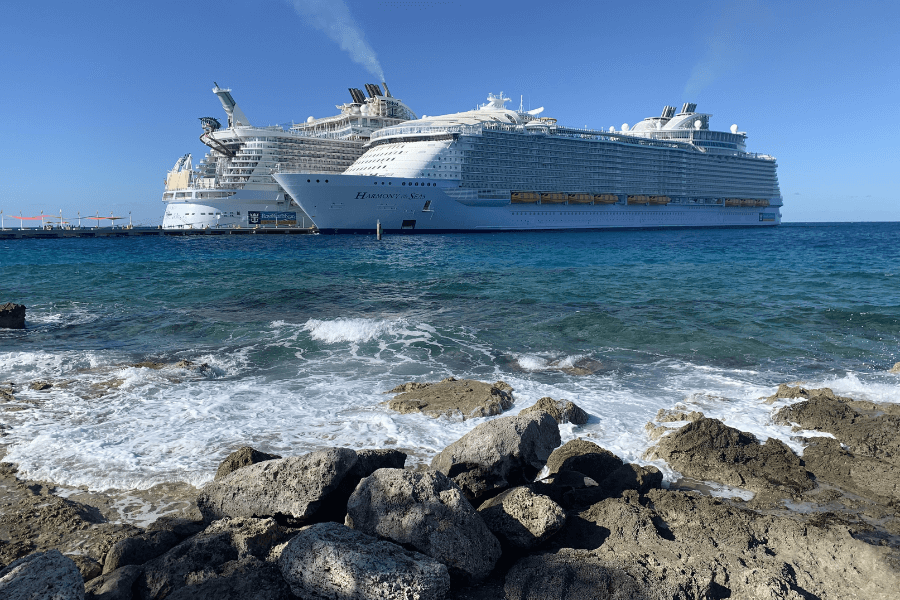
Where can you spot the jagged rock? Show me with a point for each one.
(865, 476)
(427, 512)
(40, 386)
(502, 453)
(148, 364)
(245, 579)
(701, 547)
(584, 457)
(225, 555)
(43, 575)
(117, 585)
(562, 411)
(181, 527)
(292, 488)
(786, 392)
(867, 429)
(138, 549)
(453, 397)
(6, 395)
(367, 462)
(241, 458)
(560, 486)
(673, 414)
(707, 449)
(12, 316)
(329, 560)
(87, 566)
(569, 575)
(521, 519)
(895, 369)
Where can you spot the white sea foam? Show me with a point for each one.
(114, 426)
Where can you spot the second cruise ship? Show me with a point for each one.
(496, 169)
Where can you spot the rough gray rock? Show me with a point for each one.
(138, 549)
(707, 449)
(42, 576)
(12, 316)
(464, 398)
(703, 547)
(87, 566)
(329, 560)
(584, 457)
(502, 453)
(242, 457)
(245, 579)
(895, 369)
(569, 575)
(675, 414)
(427, 512)
(292, 488)
(561, 410)
(181, 527)
(522, 519)
(867, 428)
(628, 477)
(117, 585)
(865, 476)
(40, 386)
(228, 550)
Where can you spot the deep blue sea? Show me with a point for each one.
(302, 334)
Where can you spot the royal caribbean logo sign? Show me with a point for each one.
(260, 217)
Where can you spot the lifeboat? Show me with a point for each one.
(553, 198)
(746, 202)
(580, 198)
(762, 202)
(524, 197)
(638, 199)
(660, 200)
(605, 198)
(732, 202)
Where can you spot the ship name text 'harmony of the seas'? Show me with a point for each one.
(496, 169)
(233, 186)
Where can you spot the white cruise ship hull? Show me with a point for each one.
(355, 204)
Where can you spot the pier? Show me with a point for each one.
(107, 232)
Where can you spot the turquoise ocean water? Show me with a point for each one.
(302, 334)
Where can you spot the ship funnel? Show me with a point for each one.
(684, 107)
(236, 116)
(387, 92)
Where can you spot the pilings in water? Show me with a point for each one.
(378, 229)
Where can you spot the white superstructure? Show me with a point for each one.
(494, 169)
(232, 186)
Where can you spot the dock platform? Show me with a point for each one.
(105, 232)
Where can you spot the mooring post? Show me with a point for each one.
(378, 229)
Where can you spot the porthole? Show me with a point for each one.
(404, 183)
(326, 181)
(317, 181)
(308, 181)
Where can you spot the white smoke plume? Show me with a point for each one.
(333, 17)
(728, 47)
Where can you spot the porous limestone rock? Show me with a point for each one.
(584, 457)
(502, 453)
(42, 576)
(424, 510)
(464, 398)
(522, 519)
(561, 410)
(138, 549)
(242, 457)
(329, 560)
(293, 488)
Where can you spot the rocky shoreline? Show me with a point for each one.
(506, 511)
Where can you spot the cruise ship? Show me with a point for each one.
(499, 169)
(232, 186)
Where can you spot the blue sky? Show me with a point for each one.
(99, 99)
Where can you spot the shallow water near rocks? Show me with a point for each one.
(302, 334)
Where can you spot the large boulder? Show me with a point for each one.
(628, 477)
(584, 457)
(12, 316)
(242, 457)
(464, 398)
(521, 519)
(709, 450)
(329, 560)
(872, 478)
(116, 585)
(228, 550)
(245, 579)
(138, 549)
(561, 410)
(292, 489)
(427, 512)
(499, 454)
(42, 576)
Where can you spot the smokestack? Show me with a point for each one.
(387, 92)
